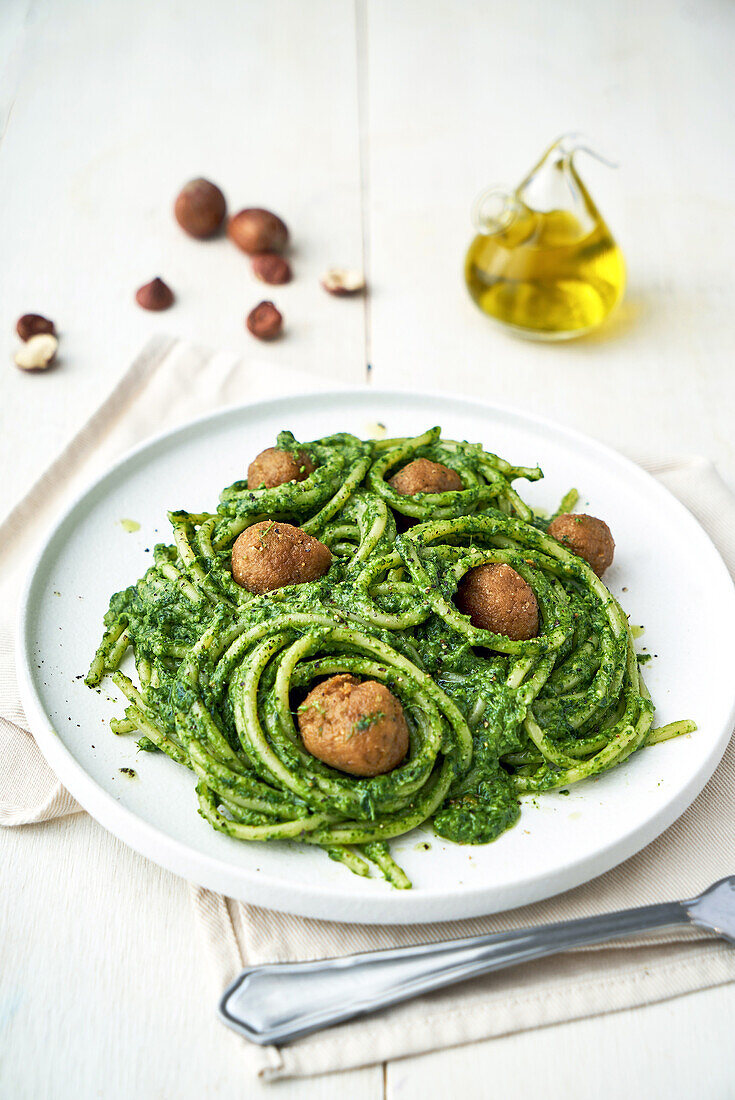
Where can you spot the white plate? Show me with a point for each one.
(666, 572)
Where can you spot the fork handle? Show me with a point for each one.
(277, 1002)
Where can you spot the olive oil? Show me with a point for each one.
(546, 271)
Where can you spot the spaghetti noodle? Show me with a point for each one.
(221, 672)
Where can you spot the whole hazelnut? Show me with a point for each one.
(38, 352)
(255, 230)
(264, 322)
(342, 282)
(32, 324)
(200, 208)
(155, 296)
(271, 268)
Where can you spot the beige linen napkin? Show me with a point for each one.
(171, 381)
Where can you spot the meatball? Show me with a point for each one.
(269, 555)
(587, 537)
(424, 476)
(275, 467)
(355, 726)
(497, 598)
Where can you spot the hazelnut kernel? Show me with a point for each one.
(264, 322)
(271, 268)
(342, 282)
(155, 296)
(38, 353)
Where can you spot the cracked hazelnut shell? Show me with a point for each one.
(34, 324)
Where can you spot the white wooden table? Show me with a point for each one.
(370, 127)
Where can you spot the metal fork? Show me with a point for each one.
(278, 1002)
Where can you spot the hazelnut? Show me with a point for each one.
(200, 208)
(271, 268)
(264, 322)
(255, 230)
(32, 324)
(343, 282)
(155, 296)
(38, 353)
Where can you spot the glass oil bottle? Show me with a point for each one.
(544, 263)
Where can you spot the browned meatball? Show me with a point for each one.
(587, 537)
(424, 476)
(355, 726)
(275, 467)
(497, 598)
(269, 555)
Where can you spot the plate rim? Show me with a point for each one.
(415, 906)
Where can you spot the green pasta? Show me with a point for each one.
(221, 672)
